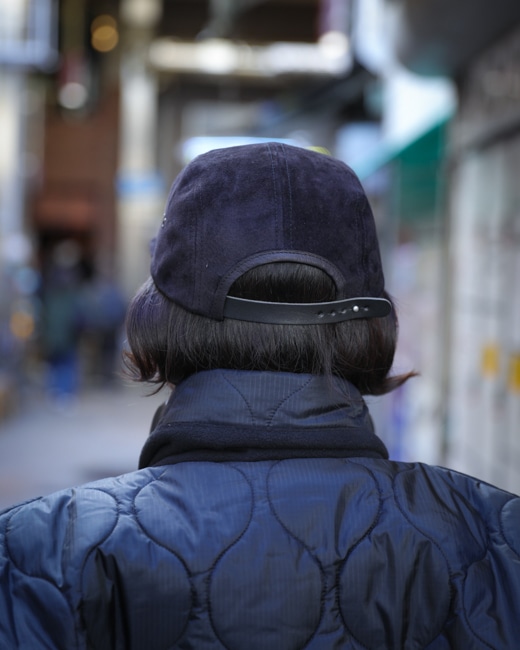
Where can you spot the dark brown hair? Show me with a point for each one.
(168, 343)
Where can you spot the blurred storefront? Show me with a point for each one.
(28, 48)
(478, 45)
(59, 125)
(485, 365)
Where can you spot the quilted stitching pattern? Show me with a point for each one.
(310, 553)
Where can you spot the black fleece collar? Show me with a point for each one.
(250, 416)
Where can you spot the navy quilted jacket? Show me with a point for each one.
(265, 514)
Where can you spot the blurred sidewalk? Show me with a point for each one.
(44, 448)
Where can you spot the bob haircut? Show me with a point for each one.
(167, 343)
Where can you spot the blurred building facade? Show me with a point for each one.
(479, 48)
(28, 48)
(422, 99)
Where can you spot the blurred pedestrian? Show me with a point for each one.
(104, 308)
(265, 512)
(61, 322)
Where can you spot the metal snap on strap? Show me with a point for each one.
(290, 313)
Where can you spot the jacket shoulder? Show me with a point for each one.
(86, 514)
(475, 527)
(438, 498)
(43, 545)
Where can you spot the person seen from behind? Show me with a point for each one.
(265, 512)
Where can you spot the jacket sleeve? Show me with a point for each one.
(494, 611)
(34, 608)
(487, 574)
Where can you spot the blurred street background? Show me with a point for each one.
(102, 102)
(45, 447)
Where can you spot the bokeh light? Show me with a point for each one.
(104, 33)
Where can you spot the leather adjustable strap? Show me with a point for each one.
(315, 313)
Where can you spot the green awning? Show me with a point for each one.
(416, 172)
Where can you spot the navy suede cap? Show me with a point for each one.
(232, 209)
